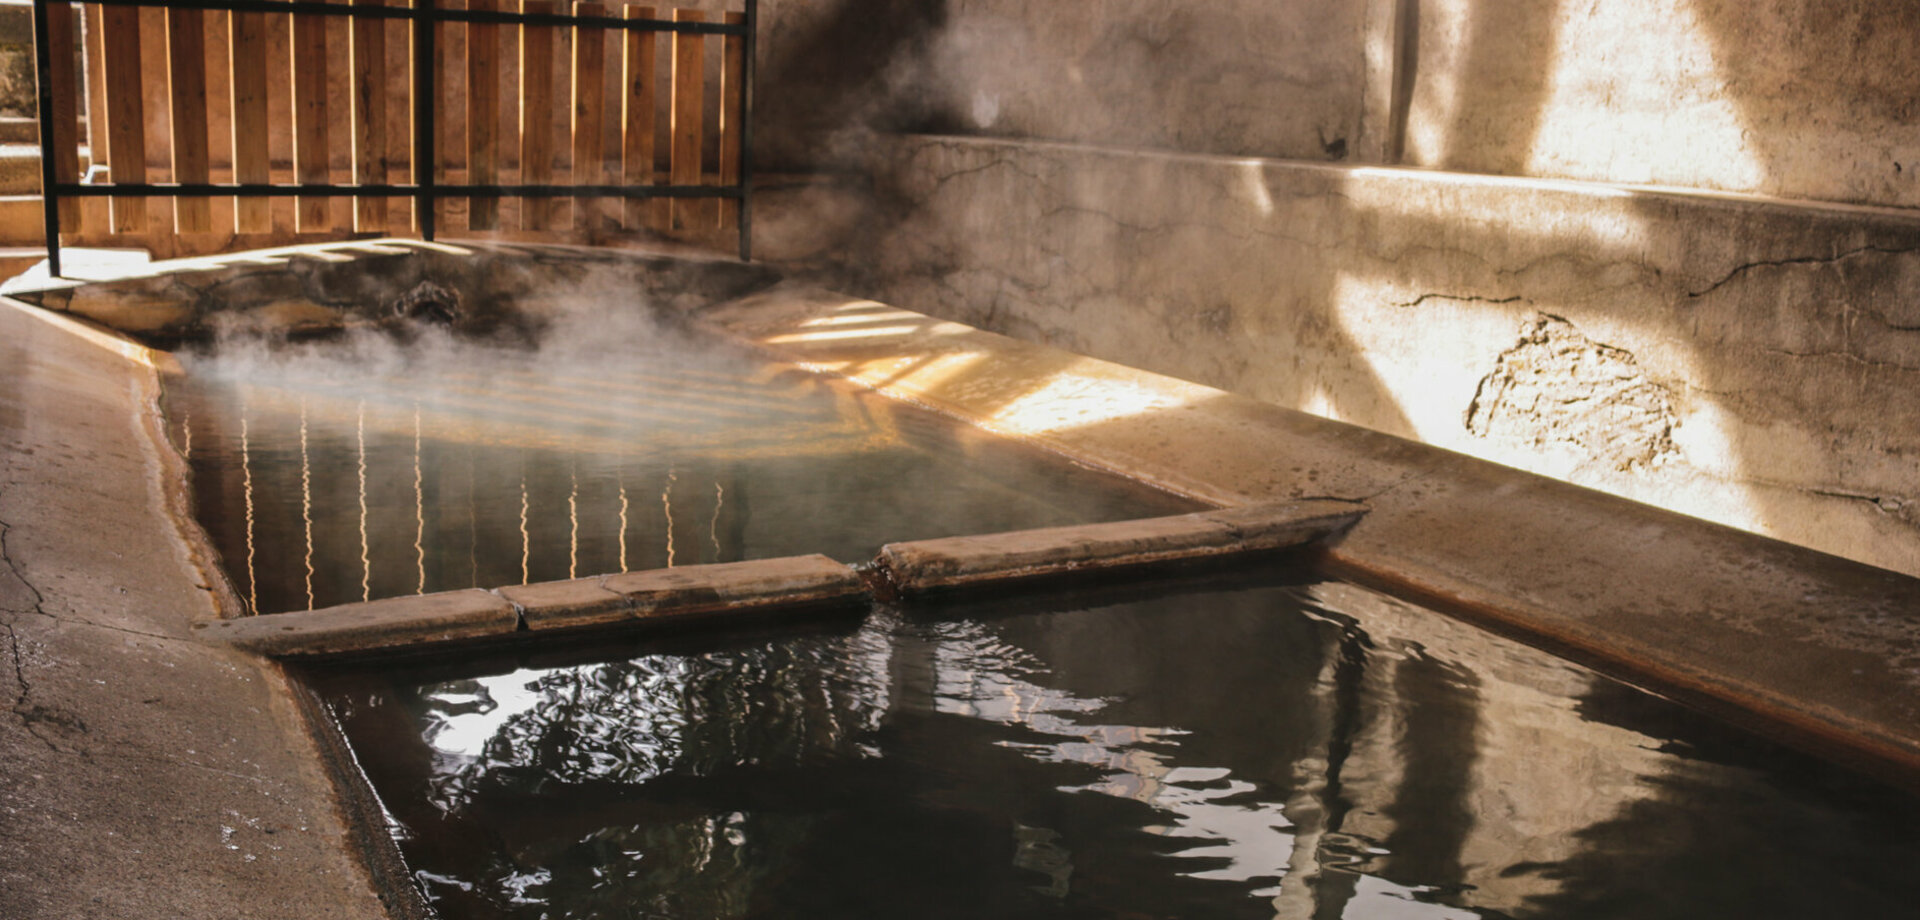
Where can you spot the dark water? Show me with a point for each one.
(1252, 748)
(335, 472)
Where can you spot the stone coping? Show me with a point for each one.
(973, 561)
(426, 621)
(1809, 648)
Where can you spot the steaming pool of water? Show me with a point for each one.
(342, 471)
(1234, 747)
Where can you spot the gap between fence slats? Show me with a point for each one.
(310, 119)
(686, 118)
(126, 112)
(187, 71)
(638, 106)
(247, 50)
(369, 117)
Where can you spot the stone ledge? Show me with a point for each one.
(382, 624)
(697, 589)
(956, 562)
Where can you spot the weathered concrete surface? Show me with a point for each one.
(1796, 98)
(1810, 99)
(954, 562)
(1740, 360)
(148, 774)
(560, 604)
(1232, 76)
(1821, 650)
(389, 623)
(727, 586)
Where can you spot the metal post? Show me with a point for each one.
(49, 193)
(746, 133)
(423, 90)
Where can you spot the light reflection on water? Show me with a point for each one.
(1280, 751)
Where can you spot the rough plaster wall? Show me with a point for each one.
(1783, 343)
(1231, 76)
(1811, 99)
(1815, 99)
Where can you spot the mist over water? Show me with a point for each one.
(389, 461)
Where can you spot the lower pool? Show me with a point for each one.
(1266, 745)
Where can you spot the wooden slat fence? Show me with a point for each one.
(529, 120)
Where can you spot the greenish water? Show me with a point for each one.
(1267, 745)
(333, 472)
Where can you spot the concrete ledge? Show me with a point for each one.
(383, 624)
(954, 562)
(729, 586)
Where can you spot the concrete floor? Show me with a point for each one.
(148, 774)
(156, 775)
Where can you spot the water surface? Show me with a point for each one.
(332, 472)
(1245, 747)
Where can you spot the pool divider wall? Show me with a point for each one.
(700, 591)
(962, 562)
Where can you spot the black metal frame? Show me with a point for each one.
(425, 188)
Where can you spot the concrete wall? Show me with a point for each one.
(1219, 210)
(1811, 99)
(1742, 361)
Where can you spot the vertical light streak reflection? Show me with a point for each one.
(573, 522)
(306, 498)
(713, 532)
(246, 489)
(526, 543)
(666, 503)
(186, 433)
(623, 525)
(360, 450)
(419, 509)
(473, 525)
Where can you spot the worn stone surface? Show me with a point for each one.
(148, 774)
(557, 604)
(382, 624)
(1820, 649)
(949, 562)
(696, 589)
(1775, 346)
(1234, 76)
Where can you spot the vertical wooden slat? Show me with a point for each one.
(126, 112)
(638, 108)
(483, 116)
(732, 70)
(93, 211)
(589, 119)
(536, 113)
(310, 119)
(687, 118)
(247, 49)
(369, 117)
(66, 111)
(187, 68)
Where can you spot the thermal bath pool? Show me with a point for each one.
(370, 467)
(1256, 746)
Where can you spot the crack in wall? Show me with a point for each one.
(1743, 268)
(1463, 298)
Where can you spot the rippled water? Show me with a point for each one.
(333, 472)
(1235, 749)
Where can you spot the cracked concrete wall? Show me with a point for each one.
(1764, 356)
